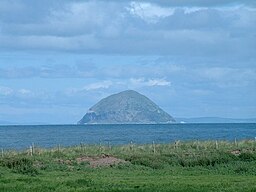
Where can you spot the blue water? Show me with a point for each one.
(20, 137)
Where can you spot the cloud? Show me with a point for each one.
(89, 88)
(202, 3)
(158, 82)
(149, 12)
(5, 91)
(48, 71)
(213, 29)
(228, 77)
(92, 69)
(25, 93)
(147, 72)
(15, 95)
(201, 92)
(118, 84)
(46, 42)
(189, 10)
(98, 85)
(142, 82)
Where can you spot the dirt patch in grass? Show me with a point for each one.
(236, 152)
(98, 161)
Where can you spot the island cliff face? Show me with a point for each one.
(127, 107)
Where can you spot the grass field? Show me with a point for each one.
(180, 166)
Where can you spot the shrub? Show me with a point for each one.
(206, 160)
(247, 157)
(20, 165)
(154, 162)
(241, 170)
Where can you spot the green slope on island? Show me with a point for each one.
(124, 108)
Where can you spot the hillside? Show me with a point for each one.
(125, 108)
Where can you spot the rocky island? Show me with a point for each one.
(127, 107)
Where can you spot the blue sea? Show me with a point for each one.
(20, 137)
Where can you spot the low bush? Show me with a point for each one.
(19, 165)
(247, 157)
(154, 162)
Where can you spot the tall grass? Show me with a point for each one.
(185, 154)
(179, 166)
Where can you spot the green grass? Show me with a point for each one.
(188, 166)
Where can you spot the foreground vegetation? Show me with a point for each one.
(179, 166)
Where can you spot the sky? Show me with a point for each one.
(194, 58)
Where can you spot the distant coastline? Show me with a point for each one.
(179, 120)
(214, 120)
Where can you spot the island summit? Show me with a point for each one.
(127, 107)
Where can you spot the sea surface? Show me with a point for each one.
(21, 137)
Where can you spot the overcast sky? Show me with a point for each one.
(192, 57)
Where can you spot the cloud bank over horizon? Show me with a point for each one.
(193, 58)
